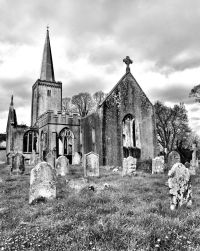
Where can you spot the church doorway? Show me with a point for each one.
(66, 143)
(128, 134)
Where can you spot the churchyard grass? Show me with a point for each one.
(133, 213)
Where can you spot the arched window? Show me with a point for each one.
(129, 141)
(30, 141)
(66, 143)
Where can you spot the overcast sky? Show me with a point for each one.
(90, 38)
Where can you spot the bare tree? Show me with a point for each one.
(83, 102)
(66, 104)
(98, 97)
(171, 124)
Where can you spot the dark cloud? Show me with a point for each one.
(175, 93)
(162, 32)
(195, 118)
(195, 109)
(90, 84)
(20, 88)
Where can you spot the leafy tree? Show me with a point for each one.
(171, 125)
(83, 102)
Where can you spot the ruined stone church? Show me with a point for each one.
(122, 126)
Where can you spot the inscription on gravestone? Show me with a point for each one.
(179, 186)
(42, 182)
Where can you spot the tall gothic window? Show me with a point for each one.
(30, 142)
(66, 142)
(129, 141)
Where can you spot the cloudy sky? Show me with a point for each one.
(90, 38)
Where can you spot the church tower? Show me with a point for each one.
(46, 92)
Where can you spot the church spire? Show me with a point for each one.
(47, 71)
(11, 102)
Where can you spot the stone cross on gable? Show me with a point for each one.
(127, 61)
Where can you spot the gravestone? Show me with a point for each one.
(17, 166)
(194, 162)
(50, 158)
(91, 164)
(173, 158)
(76, 159)
(129, 166)
(158, 164)
(42, 182)
(179, 183)
(33, 158)
(77, 184)
(10, 158)
(37, 160)
(62, 166)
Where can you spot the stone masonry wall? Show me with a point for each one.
(92, 124)
(127, 98)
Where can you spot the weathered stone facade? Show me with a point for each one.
(122, 126)
(126, 100)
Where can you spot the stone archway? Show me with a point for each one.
(66, 143)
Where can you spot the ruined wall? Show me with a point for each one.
(91, 128)
(45, 96)
(18, 134)
(52, 124)
(127, 98)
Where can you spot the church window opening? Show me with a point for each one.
(66, 143)
(48, 93)
(30, 142)
(93, 136)
(129, 142)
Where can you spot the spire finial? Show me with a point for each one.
(127, 61)
(47, 27)
(11, 102)
(47, 71)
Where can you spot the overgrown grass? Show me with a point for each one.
(131, 214)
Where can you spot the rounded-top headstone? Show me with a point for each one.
(42, 182)
(18, 166)
(173, 158)
(62, 165)
(76, 159)
(50, 158)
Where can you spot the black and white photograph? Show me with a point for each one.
(99, 125)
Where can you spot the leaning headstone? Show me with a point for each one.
(158, 164)
(18, 166)
(179, 186)
(76, 160)
(62, 166)
(129, 166)
(50, 158)
(42, 182)
(173, 158)
(91, 164)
